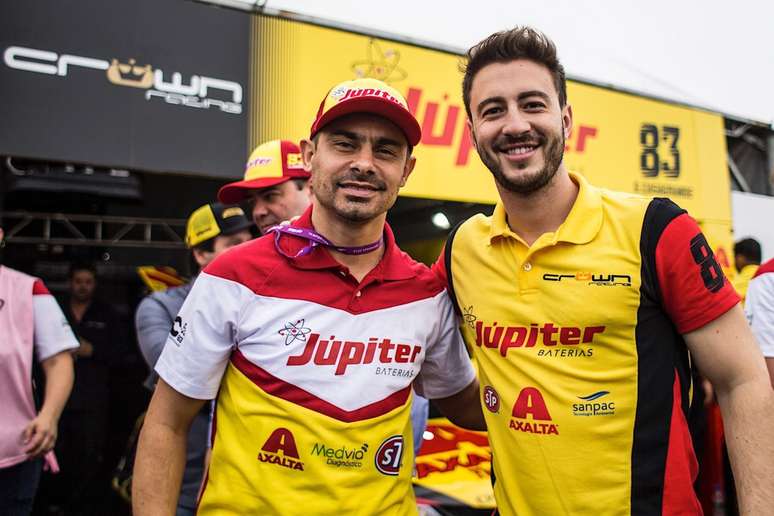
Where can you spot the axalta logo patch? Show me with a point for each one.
(280, 449)
(547, 335)
(346, 353)
(530, 414)
(389, 455)
(600, 280)
(491, 399)
(341, 456)
(592, 406)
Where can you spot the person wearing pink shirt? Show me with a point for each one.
(32, 325)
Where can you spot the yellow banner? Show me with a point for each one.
(620, 141)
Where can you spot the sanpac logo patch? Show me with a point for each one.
(594, 405)
(280, 449)
(389, 455)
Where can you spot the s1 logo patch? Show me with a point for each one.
(389, 455)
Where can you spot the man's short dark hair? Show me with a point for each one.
(81, 266)
(750, 249)
(510, 45)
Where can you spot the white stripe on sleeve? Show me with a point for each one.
(52, 334)
(203, 335)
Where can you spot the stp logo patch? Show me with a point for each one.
(389, 455)
(491, 399)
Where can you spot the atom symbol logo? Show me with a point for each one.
(295, 331)
(468, 317)
(338, 92)
(382, 65)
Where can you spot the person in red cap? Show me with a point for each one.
(311, 338)
(275, 184)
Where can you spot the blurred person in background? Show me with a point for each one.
(211, 230)
(275, 184)
(83, 486)
(32, 325)
(760, 311)
(747, 259)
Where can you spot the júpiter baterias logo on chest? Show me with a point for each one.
(385, 355)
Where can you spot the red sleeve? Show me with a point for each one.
(439, 267)
(694, 290)
(39, 289)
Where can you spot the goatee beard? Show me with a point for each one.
(554, 153)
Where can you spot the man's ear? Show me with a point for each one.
(308, 148)
(407, 169)
(472, 133)
(567, 121)
(202, 257)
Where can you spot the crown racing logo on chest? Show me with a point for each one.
(342, 354)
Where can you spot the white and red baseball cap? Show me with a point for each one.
(367, 96)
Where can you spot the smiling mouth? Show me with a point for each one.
(359, 187)
(518, 149)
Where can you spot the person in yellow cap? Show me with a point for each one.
(311, 338)
(211, 230)
(275, 184)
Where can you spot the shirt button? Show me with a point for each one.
(358, 294)
(527, 267)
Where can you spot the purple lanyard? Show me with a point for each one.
(316, 239)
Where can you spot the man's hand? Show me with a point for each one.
(39, 435)
(464, 408)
